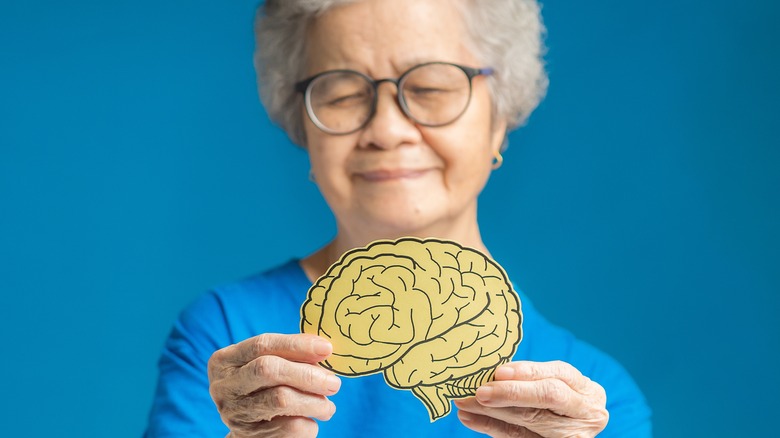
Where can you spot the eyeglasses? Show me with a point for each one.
(430, 94)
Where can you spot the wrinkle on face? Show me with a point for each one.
(382, 39)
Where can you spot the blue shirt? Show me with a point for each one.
(270, 303)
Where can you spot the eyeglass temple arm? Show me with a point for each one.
(471, 72)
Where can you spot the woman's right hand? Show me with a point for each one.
(271, 386)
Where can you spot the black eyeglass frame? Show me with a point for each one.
(304, 87)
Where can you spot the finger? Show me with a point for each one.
(268, 404)
(541, 421)
(531, 418)
(278, 427)
(297, 348)
(552, 394)
(526, 370)
(494, 427)
(269, 371)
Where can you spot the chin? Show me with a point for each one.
(402, 223)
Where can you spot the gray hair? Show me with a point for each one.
(506, 35)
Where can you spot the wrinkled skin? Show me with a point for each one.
(536, 399)
(271, 386)
(391, 179)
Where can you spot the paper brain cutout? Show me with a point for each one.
(436, 318)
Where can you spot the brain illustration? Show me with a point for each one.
(435, 317)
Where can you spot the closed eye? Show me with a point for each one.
(348, 100)
(422, 91)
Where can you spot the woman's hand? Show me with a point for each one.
(536, 399)
(271, 386)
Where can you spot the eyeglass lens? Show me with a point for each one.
(431, 94)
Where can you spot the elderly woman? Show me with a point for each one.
(403, 107)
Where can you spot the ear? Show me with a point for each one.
(498, 135)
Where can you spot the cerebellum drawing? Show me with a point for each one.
(435, 317)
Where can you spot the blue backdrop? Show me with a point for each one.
(638, 208)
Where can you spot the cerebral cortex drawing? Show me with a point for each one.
(435, 317)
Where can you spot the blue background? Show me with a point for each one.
(639, 207)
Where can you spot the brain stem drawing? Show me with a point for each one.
(435, 317)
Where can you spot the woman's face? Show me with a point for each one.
(394, 177)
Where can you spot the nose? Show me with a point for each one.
(389, 127)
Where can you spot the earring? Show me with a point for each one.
(498, 160)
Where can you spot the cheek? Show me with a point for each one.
(323, 153)
(468, 148)
(329, 158)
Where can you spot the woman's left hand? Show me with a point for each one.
(536, 399)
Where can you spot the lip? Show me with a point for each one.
(381, 175)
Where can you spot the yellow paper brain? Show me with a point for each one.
(435, 317)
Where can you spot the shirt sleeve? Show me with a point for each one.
(182, 405)
(629, 414)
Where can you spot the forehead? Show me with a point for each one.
(386, 37)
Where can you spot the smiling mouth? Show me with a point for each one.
(391, 175)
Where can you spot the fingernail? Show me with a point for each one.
(484, 393)
(333, 383)
(322, 348)
(465, 417)
(504, 373)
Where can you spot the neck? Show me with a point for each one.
(465, 232)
